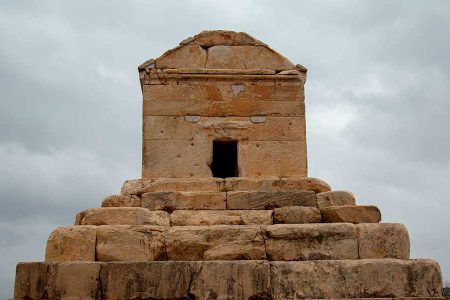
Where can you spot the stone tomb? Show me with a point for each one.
(224, 208)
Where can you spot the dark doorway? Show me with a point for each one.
(224, 162)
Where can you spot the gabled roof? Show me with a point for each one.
(220, 49)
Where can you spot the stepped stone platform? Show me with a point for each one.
(224, 208)
(252, 279)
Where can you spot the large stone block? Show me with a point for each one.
(122, 216)
(311, 241)
(188, 76)
(31, 281)
(144, 280)
(273, 183)
(221, 242)
(243, 108)
(218, 128)
(269, 200)
(148, 280)
(170, 128)
(335, 198)
(384, 240)
(246, 57)
(232, 280)
(351, 214)
(71, 243)
(279, 129)
(186, 56)
(130, 243)
(121, 201)
(174, 158)
(220, 217)
(225, 91)
(170, 201)
(367, 278)
(296, 215)
(137, 187)
(208, 38)
(140, 186)
(268, 158)
(74, 280)
(355, 279)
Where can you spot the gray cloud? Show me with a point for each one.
(378, 107)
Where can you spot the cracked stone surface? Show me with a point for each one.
(389, 278)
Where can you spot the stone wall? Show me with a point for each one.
(220, 89)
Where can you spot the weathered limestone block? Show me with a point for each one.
(130, 243)
(137, 187)
(190, 75)
(232, 280)
(71, 243)
(233, 128)
(220, 242)
(300, 183)
(148, 280)
(133, 187)
(225, 91)
(140, 186)
(174, 158)
(351, 214)
(246, 57)
(122, 216)
(170, 201)
(335, 198)
(74, 280)
(169, 128)
(67, 280)
(220, 217)
(296, 215)
(145, 280)
(161, 107)
(268, 158)
(279, 129)
(121, 201)
(186, 56)
(269, 200)
(31, 280)
(208, 38)
(355, 279)
(368, 278)
(310, 241)
(275, 184)
(384, 240)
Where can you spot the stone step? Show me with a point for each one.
(138, 187)
(220, 217)
(335, 198)
(200, 200)
(282, 215)
(284, 242)
(296, 215)
(122, 216)
(170, 201)
(351, 214)
(333, 279)
(270, 200)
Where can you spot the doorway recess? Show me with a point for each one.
(225, 162)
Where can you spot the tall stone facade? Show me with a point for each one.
(224, 208)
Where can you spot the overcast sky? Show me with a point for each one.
(377, 99)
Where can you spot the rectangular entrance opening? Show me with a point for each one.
(224, 162)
